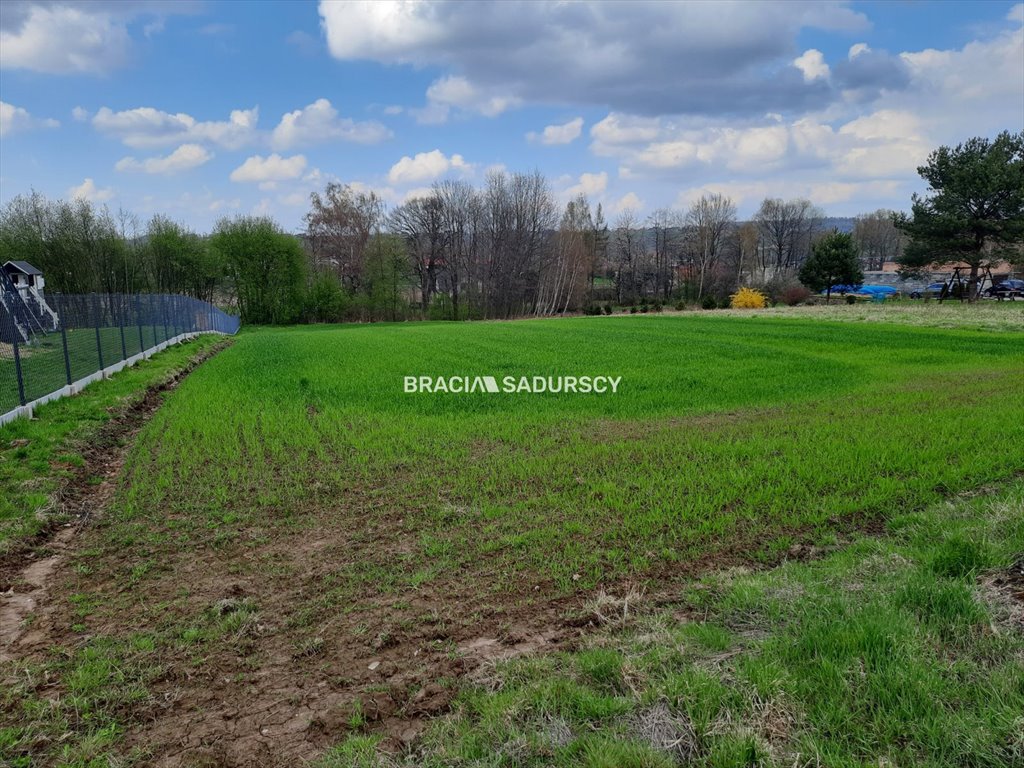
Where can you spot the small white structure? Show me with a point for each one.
(24, 276)
(22, 298)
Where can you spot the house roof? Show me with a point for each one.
(22, 266)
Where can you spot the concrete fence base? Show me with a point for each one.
(26, 411)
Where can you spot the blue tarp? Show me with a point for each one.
(867, 290)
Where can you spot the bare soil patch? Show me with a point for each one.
(285, 686)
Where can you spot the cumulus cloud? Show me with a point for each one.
(628, 202)
(270, 168)
(885, 144)
(16, 119)
(977, 89)
(88, 190)
(812, 64)
(591, 185)
(185, 157)
(457, 93)
(319, 122)
(566, 133)
(70, 38)
(736, 56)
(146, 127)
(63, 39)
(425, 166)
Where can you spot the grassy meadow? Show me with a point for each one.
(725, 433)
(291, 521)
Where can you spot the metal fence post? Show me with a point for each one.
(152, 318)
(96, 319)
(138, 321)
(163, 307)
(120, 322)
(64, 344)
(17, 367)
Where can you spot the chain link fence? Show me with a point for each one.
(54, 346)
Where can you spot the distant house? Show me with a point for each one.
(22, 301)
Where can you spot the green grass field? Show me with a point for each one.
(724, 433)
(355, 525)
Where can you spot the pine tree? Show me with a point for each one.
(833, 261)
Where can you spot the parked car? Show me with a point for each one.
(931, 291)
(1005, 289)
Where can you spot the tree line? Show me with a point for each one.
(508, 248)
(505, 249)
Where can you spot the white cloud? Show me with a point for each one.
(16, 119)
(589, 184)
(975, 90)
(884, 144)
(1016, 13)
(566, 133)
(271, 168)
(812, 64)
(458, 93)
(63, 39)
(425, 166)
(88, 190)
(80, 114)
(857, 49)
(319, 122)
(628, 202)
(185, 157)
(148, 127)
(618, 128)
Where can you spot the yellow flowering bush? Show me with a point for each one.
(748, 298)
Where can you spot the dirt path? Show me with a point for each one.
(26, 609)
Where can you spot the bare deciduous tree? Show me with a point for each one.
(709, 223)
(420, 223)
(878, 239)
(338, 228)
(788, 229)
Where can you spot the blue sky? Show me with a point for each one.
(205, 109)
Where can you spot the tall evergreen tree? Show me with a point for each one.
(973, 211)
